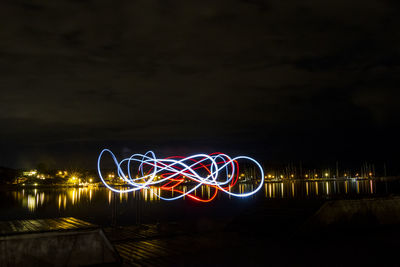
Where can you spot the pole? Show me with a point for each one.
(384, 170)
(337, 169)
(114, 210)
(138, 207)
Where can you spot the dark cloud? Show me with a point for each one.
(278, 79)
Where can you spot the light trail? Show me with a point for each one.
(216, 170)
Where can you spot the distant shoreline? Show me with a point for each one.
(267, 181)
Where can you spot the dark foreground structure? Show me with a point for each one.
(273, 233)
(54, 242)
(284, 233)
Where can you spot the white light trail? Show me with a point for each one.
(217, 170)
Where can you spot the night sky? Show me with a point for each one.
(281, 81)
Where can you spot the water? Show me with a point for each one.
(98, 204)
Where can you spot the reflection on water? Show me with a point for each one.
(319, 189)
(32, 199)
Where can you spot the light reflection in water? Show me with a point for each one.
(292, 189)
(63, 198)
(371, 187)
(31, 202)
(307, 188)
(41, 198)
(318, 189)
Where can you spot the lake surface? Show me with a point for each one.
(98, 204)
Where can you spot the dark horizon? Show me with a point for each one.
(279, 81)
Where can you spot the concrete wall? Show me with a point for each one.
(64, 248)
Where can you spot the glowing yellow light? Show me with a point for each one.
(306, 175)
(370, 174)
(292, 175)
(326, 174)
(281, 176)
(316, 175)
(269, 175)
(35, 184)
(90, 180)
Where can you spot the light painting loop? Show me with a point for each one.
(217, 171)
